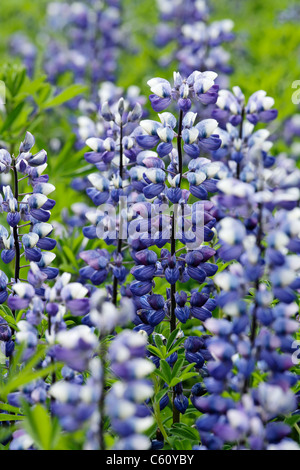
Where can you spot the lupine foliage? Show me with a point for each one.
(160, 308)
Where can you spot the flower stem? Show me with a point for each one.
(15, 229)
(52, 362)
(119, 246)
(176, 414)
(173, 222)
(258, 244)
(179, 148)
(102, 397)
(253, 330)
(238, 165)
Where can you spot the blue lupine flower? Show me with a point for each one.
(231, 107)
(198, 41)
(195, 138)
(181, 402)
(131, 418)
(199, 85)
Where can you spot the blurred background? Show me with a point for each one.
(265, 54)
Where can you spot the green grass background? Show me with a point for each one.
(265, 55)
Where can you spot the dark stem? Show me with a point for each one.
(238, 166)
(254, 318)
(179, 148)
(173, 222)
(119, 246)
(260, 227)
(173, 286)
(121, 152)
(259, 236)
(253, 331)
(176, 414)
(15, 229)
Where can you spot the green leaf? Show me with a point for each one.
(19, 316)
(189, 367)
(70, 255)
(6, 313)
(5, 417)
(159, 342)
(166, 370)
(177, 367)
(176, 346)
(160, 345)
(12, 116)
(160, 395)
(292, 420)
(183, 430)
(182, 378)
(172, 338)
(6, 432)
(155, 351)
(43, 430)
(160, 374)
(66, 95)
(10, 408)
(18, 82)
(19, 378)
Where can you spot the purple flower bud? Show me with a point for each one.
(181, 403)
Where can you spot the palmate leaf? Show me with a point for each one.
(172, 338)
(18, 82)
(182, 378)
(292, 420)
(176, 346)
(12, 117)
(159, 342)
(9, 408)
(155, 351)
(6, 431)
(177, 366)
(7, 417)
(184, 431)
(30, 87)
(63, 158)
(70, 255)
(24, 378)
(7, 314)
(44, 430)
(166, 371)
(160, 395)
(18, 378)
(66, 95)
(160, 374)
(68, 163)
(183, 444)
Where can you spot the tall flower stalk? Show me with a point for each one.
(113, 155)
(194, 139)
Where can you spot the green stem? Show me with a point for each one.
(102, 398)
(159, 422)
